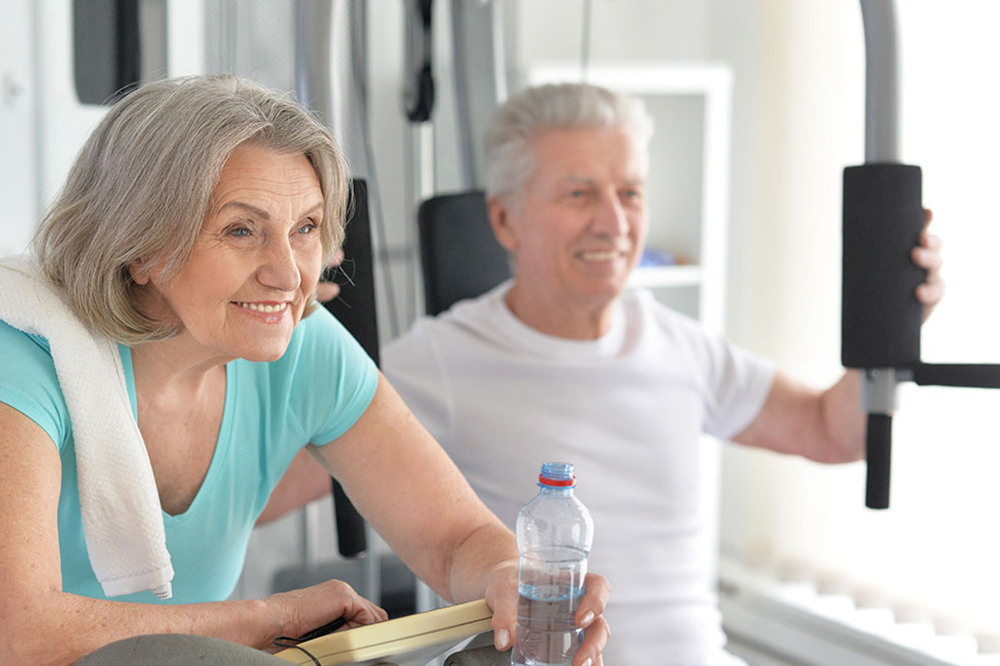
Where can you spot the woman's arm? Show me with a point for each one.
(305, 480)
(44, 625)
(414, 496)
(409, 490)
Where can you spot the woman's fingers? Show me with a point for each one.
(501, 595)
(590, 618)
(595, 637)
(302, 611)
(593, 601)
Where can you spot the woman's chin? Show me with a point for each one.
(264, 355)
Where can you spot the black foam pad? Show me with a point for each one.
(883, 218)
(459, 254)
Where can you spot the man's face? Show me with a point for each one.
(580, 225)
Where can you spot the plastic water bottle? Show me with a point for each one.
(554, 535)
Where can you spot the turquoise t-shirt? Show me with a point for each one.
(313, 394)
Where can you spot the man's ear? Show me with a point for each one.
(500, 223)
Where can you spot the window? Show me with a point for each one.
(936, 551)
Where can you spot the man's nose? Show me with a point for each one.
(610, 217)
(278, 268)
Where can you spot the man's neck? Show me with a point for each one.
(564, 320)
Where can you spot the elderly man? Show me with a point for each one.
(562, 363)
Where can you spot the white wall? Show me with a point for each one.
(43, 126)
(18, 160)
(934, 543)
(808, 125)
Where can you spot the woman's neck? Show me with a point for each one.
(174, 367)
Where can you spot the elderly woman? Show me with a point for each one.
(191, 235)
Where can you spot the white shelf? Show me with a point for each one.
(666, 276)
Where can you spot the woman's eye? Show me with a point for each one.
(239, 232)
(308, 228)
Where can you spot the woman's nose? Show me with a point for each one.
(279, 269)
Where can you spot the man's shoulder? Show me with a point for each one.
(464, 319)
(642, 305)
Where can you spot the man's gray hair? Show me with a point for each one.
(509, 142)
(140, 188)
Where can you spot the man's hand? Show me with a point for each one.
(327, 291)
(927, 255)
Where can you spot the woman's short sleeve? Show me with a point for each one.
(29, 384)
(335, 379)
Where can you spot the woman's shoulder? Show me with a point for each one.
(28, 381)
(15, 340)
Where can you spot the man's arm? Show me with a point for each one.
(825, 426)
(829, 426)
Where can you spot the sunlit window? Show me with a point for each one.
(935, 554)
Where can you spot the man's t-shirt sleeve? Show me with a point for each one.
(412, 363)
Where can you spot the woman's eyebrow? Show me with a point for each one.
(261, 213)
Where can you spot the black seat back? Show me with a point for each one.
(355, 308)
(459, 255)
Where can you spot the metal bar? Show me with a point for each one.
(957, 374)
(480, 78)
(313, 72)
(881, 81)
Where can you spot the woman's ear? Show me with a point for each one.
(139, 271)
(499, 213)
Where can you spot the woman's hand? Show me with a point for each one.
(501, 595)
(590, 618)
(300, 611)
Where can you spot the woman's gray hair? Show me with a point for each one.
(510, 136)
(140, 188)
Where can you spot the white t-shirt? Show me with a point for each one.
(627, 410)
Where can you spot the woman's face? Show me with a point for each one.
(256, 262)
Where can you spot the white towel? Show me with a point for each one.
(122, 518)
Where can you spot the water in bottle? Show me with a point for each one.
(554, 535)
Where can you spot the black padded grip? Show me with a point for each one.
(883, 218)
(878, 451)
(351, 539)
(355, 308)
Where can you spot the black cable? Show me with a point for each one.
(280, 641)
(289, 642)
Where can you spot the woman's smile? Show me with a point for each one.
(261, 237)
